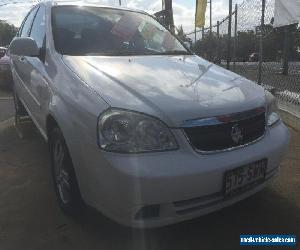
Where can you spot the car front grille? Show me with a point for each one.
(227, 132)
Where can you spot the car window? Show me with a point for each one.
(96, 30)
(38, 30)
(22, 26)
(27, 24)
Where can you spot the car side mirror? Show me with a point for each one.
(24, 46)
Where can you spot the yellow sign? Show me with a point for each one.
(200, 13)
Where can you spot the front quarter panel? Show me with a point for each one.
(73, 105)
(76, 109)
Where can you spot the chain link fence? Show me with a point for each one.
(248, 44)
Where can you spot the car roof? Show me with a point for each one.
(81, 3)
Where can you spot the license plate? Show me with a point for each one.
(243, 178)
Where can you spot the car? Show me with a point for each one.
(139, 127)
(2, 51)
(5, 71)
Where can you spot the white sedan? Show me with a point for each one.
(138, 126)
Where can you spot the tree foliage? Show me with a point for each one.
(247, 42)
(7, 33)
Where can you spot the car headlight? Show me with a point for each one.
(272, 110)
(132, 132)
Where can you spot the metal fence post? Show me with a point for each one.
(261, 41)
(286, 50)
(229, 35)
(235, 37)
(195, 30)
(218, 41)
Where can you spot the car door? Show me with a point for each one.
(39, 77)
(20, 65)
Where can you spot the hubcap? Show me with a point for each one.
(61, 175)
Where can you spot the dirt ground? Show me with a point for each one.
(6, 104)
(31, 219)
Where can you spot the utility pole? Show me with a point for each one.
(235, 36)
(169, 12)
(261, 37)
(166, 14)
(120, 2)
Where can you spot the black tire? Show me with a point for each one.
(64, 177)
(19, 107)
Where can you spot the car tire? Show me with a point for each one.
(64, 177)
(19, 107)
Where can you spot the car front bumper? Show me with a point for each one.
(183, 183)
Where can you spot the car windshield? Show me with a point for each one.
(106, 31)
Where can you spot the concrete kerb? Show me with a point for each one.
(291, 120)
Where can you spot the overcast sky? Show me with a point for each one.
(184, 10)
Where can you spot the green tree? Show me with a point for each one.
(206, 47)
(247, 42)
(7, 33)
(246, 45)
(273, 42)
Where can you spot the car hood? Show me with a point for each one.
(172, 88)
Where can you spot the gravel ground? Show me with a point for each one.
(4, 91)
(31, 219)
(6, 104)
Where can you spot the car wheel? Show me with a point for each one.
(19, 107)
(64, 177)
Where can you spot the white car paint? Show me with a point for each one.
(76, 90)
